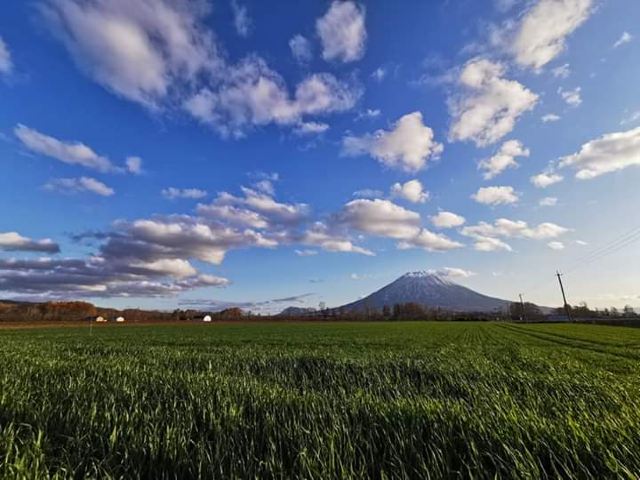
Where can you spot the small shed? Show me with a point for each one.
(120, 320)
(100, 319)
(207, 318)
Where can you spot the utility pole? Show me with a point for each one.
(521, 308)
(564, 298)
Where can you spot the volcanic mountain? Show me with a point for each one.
(429, 290)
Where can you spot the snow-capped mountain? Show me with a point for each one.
(430, 290)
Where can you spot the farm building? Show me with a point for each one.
(207, 318)
(120, 320)
(100, 319)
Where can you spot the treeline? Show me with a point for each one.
(397, 312)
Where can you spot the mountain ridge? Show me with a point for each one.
(430, 290)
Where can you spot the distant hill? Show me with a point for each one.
(297, 312)
(431, 291)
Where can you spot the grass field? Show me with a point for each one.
(381, 400)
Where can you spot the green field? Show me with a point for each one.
(315, 401)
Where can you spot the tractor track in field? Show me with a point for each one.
(573, 343)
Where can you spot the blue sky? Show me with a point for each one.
(164, 154)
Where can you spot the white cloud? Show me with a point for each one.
(542, 32)
(233, 215)
(453, 272)
(74, 153)
(173, 193)
(306, 253)
(162, 54)
(503, 227)
(386, 219)
(447, 220)
(430, 241)
(134, 165)
(342, 31)
(545, 179)
(368, 193)
(14, 242)
(556, 245)
(571, 97)
(634, 117)
(503, 159)
(241, 20)
(489, 105)
(548, 202)
(380, 217)
(379, 74)
(407, 146)
(311, 128)
(6, 64)
(411, 191)
(496, 195)
(563, 71)
(626, 37)
(487, 237)
(320, 235)
(608, 153)
(550, 117)
(138, 50)
(82, 184)
(490, 244)
(582, 243)
(253, 94)
(300, 48)
(368, 114)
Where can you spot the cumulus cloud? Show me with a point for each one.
(161, 54)
(550, 117)
(300, 48)
(503, 159)
(14, 242)
(489, 105)
(548, 202)
(173, 193)
(322, 236)
(311, 128)
(430, 241)
(6, 64)
(626, 37)
(306, 252)
(253, 94)
(138, 50)
(342, 31)
(241, 19)
(488, 237)
(411, 191)
(368, 193)
(496, 195)
(386, 219)
(134, 165)
(453, 272)
(369, 114)
(571, 97)
(380, 217)
(556, 245)
(503, 227)
(608, 153)
(407, 146)
(447, 220)
(542, 32)
(563, 71)
(73, 153)
(546, 179)
(379, 74)
(82, 184)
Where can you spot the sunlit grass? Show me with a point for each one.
(383, 400)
